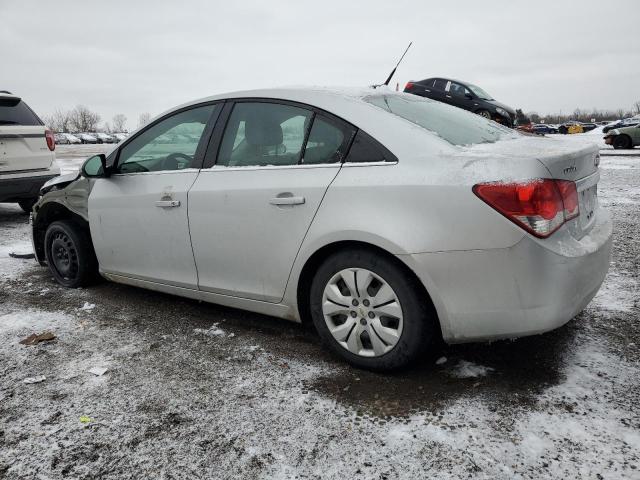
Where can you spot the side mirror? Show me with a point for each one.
(96, 167)
(469, 96)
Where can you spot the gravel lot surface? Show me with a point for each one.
(196, 390)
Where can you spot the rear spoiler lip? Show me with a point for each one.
(9, 96)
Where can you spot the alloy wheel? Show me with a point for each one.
(362, 312)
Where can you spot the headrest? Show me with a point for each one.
(263, 131)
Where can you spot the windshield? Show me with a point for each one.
(480, 93)
(454, 125)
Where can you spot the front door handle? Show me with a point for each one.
(287, 200)
(167, 203)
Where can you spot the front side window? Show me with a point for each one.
(262, 133)
(455, 125)
(457, 89)
(168, 145)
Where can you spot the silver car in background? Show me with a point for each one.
(388, 220)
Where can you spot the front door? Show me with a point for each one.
(138, 216)
(249, 212)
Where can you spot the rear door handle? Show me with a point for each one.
(290, 200)
(167, 203)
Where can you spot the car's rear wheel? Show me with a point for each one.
(70, 254)
(622, 142)
(27, 204)
(484, 113)
(369, 311)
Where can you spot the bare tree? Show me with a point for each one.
(119, 123)
(107, 127)
(59, 120)
(143, 119)
(83, 119)
(636, 106)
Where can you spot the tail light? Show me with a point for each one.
(51, 141)
(540, 206)
(408, 86)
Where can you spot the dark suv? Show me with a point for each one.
(464, 95)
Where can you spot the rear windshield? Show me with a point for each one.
(16, 112)
(453, 124)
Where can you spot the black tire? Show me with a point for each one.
(484, 113)
(70, 255)
(27, 204)
(622, 142)
(420, 326)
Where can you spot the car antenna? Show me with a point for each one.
(386, 83)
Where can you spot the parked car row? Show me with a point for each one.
(94, 137)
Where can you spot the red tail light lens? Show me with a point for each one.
(408, 86)
(569, 198)
(51, 141)
(540, 206)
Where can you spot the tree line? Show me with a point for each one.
(580, 115)
(83, 119)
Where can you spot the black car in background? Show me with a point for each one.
(464, 95)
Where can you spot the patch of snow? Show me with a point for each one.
(465, 369)
(212, 331)
(38, 379)
(88, 306)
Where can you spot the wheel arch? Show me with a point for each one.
(313, 262)
(47, 214)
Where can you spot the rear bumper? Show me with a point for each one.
(14, 188)
(529, 288)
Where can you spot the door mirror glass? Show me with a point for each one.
(95, 167)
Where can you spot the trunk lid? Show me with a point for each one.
(23, 145)
(24, 148)
(564, 159)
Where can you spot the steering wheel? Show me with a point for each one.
(172, 162)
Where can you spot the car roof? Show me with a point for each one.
(347, 103)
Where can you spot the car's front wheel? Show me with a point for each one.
(484, 113)
(70, 254)
(622, 142)
(369, 311)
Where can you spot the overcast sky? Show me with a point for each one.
(147, 56)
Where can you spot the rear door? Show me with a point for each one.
(438, 90)
(249, 212)
(23, 146)
(138, 216)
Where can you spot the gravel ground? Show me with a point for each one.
(196, 390)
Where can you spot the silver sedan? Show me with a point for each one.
(387, 220)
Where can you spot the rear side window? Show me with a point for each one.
(439, 84)
(328, 141)
(16, 112)
(366, 149)
(453, 124)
